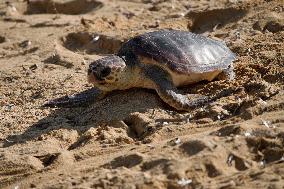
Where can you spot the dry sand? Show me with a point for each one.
(132, 139)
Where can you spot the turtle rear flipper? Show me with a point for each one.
(82, 99)
(227, 74)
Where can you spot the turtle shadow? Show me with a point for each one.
(116, 106)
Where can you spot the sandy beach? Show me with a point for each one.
(132, 139)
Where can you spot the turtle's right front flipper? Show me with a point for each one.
(188, 102)
(169, 93)
(171, 96)
(78, 100)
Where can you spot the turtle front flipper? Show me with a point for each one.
(78, 100)
(169, 93)
(179, 101)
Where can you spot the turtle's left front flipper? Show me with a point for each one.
(78, 100)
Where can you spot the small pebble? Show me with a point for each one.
(175, 141)
(184, 182)
(230, 159)
(262, 163)
(95, 38)
(247, 134)
(25, 43)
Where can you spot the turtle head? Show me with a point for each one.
(107, 73)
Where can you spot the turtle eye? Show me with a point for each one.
(105, 72)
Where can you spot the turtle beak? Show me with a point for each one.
(89, 71)
(91, 78)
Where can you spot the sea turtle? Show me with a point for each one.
(161, 60)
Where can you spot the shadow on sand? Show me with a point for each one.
(116, 106)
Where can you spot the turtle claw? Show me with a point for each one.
(82, 99)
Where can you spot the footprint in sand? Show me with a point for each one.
(74, 7)
(204, 21)
(91, 43)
